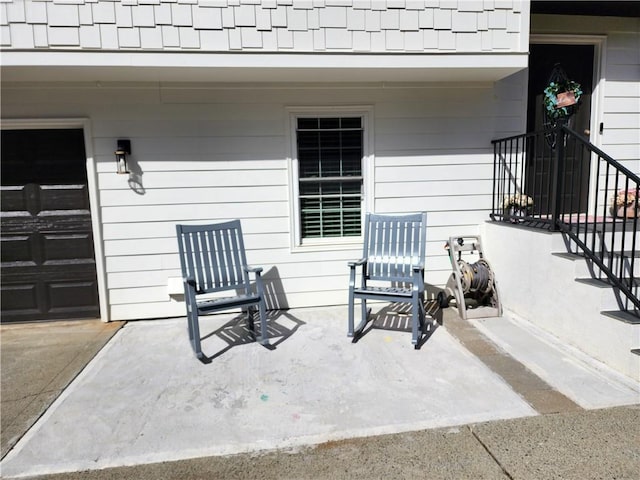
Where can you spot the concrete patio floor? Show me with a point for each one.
(145, 398)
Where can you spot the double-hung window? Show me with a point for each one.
(330, 152)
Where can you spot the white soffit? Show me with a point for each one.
(246, 67)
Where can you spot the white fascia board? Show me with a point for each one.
(169, 66)
(253, 60)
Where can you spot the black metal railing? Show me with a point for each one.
(558, 180)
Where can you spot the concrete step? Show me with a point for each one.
(586, 271)
(610, 299)
(587, 268)
(627, 317)
(607, 239)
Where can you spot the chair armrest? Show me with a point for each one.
(191, 282)
(352, 272)
(418, 277)
(259, 285)
(190, 292)
(355, 263)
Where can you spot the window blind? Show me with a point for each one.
(330, 176)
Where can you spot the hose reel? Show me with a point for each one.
(476, 278)
(472, 285)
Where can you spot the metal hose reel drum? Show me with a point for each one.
(472, 285)
(476, 278)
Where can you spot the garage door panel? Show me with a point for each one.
(63, 296)
(74, 247)
(64, 197)
(40, 293)
(41, 198)
(61, 222)
(19, 299)
(19, 249)
(48, 272)
(44, 156)
(14, 199)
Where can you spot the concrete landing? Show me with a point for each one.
(145, 398)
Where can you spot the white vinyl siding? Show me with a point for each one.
(621, 115)
(208, 153)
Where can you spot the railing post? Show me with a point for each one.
(495, 176)
(557, 175)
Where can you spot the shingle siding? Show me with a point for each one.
(319, 25)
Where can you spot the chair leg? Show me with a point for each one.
(415, 315)
(364, 314)
(264, 340)
(364, 317)
(351, 306)
(190, 327)
(194, 333)
(250, 322)
(423, 314)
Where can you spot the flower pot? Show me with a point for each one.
(514, 214)
(626, 211)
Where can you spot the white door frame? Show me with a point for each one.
(92, 185)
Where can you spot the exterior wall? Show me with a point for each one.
(268, 26)
(619, 82)
(205, 152)
(210, 153)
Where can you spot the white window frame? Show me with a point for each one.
(332, 243)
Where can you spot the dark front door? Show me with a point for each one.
(577, 62)
(48, 265)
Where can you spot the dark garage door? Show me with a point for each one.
(48, 266)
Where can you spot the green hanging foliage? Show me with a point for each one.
(551, 98)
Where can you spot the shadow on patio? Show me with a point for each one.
(397, 317)
(281, 325)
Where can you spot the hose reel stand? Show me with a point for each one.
(473, 285)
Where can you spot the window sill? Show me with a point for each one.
(328, 244)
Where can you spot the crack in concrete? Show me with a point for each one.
(486, 448)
